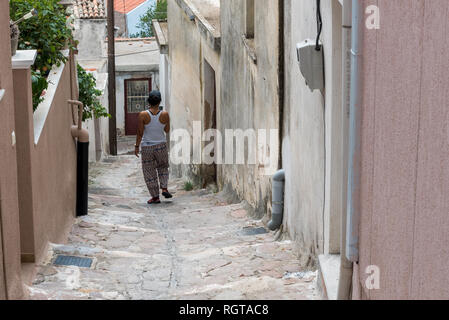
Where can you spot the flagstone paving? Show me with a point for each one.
(196, 246)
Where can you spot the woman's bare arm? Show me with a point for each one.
(165, 119)
(140, 130)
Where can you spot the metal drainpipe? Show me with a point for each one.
(278, 201)
(82, 166)
(353, 210)
(279, 178)
(281, 77)
(345, 278)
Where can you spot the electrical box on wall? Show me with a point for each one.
(311, 63)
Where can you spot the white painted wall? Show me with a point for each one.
(313, 224)
(99, 128)
(91, 34)
(164, 81)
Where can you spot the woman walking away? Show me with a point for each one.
(153, 126)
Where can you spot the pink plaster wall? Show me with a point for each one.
(10, 277)
(404, 226)
(54, 171)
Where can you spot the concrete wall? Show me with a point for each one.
(92, 56)
(251, 98)
(10, 277)
(91, 34)
(312, 145)
(404, 227)
(188, 50)
(120, 22)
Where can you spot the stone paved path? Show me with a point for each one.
(194, 247)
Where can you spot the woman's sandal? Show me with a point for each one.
(154, 201)
(167, 195)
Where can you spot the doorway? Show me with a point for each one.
(209, 117)
(136, 95)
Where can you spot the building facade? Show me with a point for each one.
(250, 59)
(90, 30)
(363, 155)
(137, 73)
(194, 60)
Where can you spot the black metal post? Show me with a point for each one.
(111, 80)
(82, 176)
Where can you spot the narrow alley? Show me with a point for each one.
(197, 246)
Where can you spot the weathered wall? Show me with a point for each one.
(249, 98)
(91, 34)
(312, 153)
(404, 228)
(188, 50)
(120, 22)
(10, 277)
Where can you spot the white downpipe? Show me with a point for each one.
(352, 229)
(345, 279)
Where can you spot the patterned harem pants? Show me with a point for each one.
(155, 164)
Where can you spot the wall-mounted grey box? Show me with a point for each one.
(311, 63)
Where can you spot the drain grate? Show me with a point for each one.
(62, 260)
(254, 231)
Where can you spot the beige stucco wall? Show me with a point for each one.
(312, 145)
(10, 277)
(54, 171)
(188, 49)
(249, 96)
(404, 227)
(47, 162)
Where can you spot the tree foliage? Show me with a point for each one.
(48, 33)
(158, 11)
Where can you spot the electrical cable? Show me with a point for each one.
(319, 24)
(318, 48)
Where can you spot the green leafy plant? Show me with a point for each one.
(88, 95)
(39, 85)
(188, 186)
(158, 11)
(48, 33)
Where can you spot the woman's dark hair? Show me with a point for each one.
(155, 98)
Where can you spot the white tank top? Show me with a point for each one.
(154, 133)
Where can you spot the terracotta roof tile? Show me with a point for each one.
(90, 9)
(125, 6)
